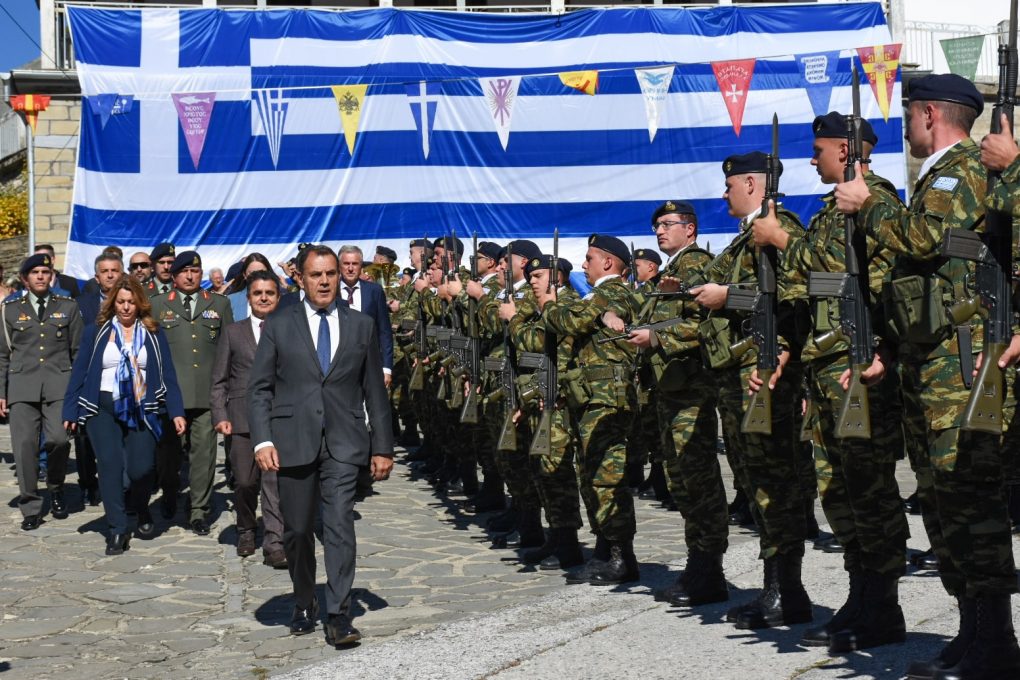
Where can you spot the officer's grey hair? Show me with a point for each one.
(107, 257)
(351, 249)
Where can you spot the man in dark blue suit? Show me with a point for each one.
(369, 298)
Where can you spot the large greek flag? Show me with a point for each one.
(429, 153)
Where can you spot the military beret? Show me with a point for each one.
(37, 260)
(946, 87)
(743, 164)
(234, 271)
(302, 246)
(409, 271)
(673, 207)
(647, 254)
(542, 262)
(611, 245)
(188, 258)
(386, 252)
(489, 249)
(833, 126)
(456, 243)
(525, 248)
(420, 243)
(162, 250)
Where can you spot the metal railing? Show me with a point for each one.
(12, 134)
(921, 46)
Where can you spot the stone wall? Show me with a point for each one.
(56, 145)
(12, 252)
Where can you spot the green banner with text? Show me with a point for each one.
(963, 54)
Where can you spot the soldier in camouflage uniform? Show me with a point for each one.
(601, 399)
(764, 465)
(554, 474)
(970, 530)
(686, 408)
(856, 477)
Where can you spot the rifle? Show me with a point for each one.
(453, 344)
(852, 290)
(469, 414)
(760, 327)
(658, 325)
(992, 253)
(547, 370)
(633, 267)
(506, 370)
(416, 383)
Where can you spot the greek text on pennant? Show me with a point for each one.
(501, 96)
(273, 114)
(880, 63)
(654, 84)
(817, 76)
(194, 110)
(582, 81)
(350, 102)
(734, 78)
(963, 54)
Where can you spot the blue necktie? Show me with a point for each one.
(322, 348)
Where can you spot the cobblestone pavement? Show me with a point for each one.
(186, 606)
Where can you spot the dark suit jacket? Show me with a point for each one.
(70, 284)
(228, 395)
(292, 404)
(88, 305)
(373, 303)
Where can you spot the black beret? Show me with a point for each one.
(525, 248)
(611, 245)
(162, 250)
(234, 271)
(743, 164)
(37, 260)
(188, 258)
(456, 243)
(946, 87)
(420, 243)
(302, 246)
(386, 252)
(833, 126)
(489, 249)
(673, 207)
(542, 262)
(647, 254)
(409, 271)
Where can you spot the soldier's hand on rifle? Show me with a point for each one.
(998, 150)
(872, 375)
(507, 310)
(443, 291)
(614, 323)
(394, 306)
(850, 196)
(421, 284)
(711, 295)
(643, 337)
(516, 417)
(475, 290)
(1009, 357)
(767, 232)
(669, 284)
(453, 287)
(754, 383)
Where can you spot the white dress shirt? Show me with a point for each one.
(931, 160)
(256, 327)
(356, 304)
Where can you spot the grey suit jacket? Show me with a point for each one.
(292, 404)
(228, 394)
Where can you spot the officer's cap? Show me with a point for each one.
(188, 258)
(833, 126)
(673, 208)
(946, 87)
(449, 243)
(489, 249)
(37, 260)
(525, 248)
(611, 245)
(542, 262)
(162, 250)
(647, 254)
(747, 163)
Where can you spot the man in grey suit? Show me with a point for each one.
(41, 334)
(228, 399)
(317, 368)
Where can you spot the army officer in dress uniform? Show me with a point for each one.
(162, 260)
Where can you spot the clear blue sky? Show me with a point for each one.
(15, 48)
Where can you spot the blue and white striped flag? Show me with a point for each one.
(276, 170)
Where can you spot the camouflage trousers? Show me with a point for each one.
(555, 477)
(644, 444)
(966, 516)
(601, 463)
(513, 466)
(689, 427)
(425, 405)
(857, 477)
(766, 464)
(401, 400)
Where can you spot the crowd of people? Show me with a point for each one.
(532, 400)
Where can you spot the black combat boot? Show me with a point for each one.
(567, 553)
(680, 585)
(880, 620)
(489, 497)
(582, 573)
(635, 475)
(621, 567)
(529, 526)
(820, 636)
(770, 582)
(703, 582)
(785, 603)
(539, 554)
(655, 487)
(740, 511)
(811, 530)
(993, 653)
(505, 521)
(952, 652)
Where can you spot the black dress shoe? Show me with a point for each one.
(146, 527)
(58, 508)
(303, 620)
(831, 546)
(926, 560)
(31, 523)
(276, 559)
(90, 496)
(116, 544)
(200, 527)
(340, 632)
(168, 505)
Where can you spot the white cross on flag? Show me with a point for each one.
(501, 96)
(734, 78)
(424, 99)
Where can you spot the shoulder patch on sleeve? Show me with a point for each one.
(945, 183)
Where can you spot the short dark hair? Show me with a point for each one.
(261, 275)
(317, 250)
(45, 246)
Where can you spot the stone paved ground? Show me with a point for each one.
(187, 606)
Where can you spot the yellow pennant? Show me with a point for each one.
(350, 100)
(582, 81)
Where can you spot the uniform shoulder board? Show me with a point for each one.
(205, 295)
(151, 285)
(171, 295)
(945, 183)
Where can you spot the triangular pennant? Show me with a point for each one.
(880, 63)
(273, 114)
(102, 104)
(817, 76)
(194, 110)
(30, 105)
(963, 54)
(734, 78)
(350, 101)
(123, 104)
(654, 84)
(582, 81)
(501, 96)
(424, 100)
